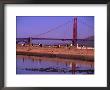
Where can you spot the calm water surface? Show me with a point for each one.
(89, 43)
(44, 65)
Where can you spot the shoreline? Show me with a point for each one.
(63, 56)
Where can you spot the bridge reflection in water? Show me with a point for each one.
(44, 65)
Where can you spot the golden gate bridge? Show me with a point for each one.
(45, 35)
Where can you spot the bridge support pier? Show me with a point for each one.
(75, 31)
(30, 43)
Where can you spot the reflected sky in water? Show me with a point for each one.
(44, 65)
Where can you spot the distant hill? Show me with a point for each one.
(90, 38)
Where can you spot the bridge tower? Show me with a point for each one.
(30, 42)
(75, 31)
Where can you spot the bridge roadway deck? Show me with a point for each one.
(63, 52)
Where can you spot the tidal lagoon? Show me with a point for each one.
(44, 65)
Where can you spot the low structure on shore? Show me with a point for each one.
(83, 47)
(58, 46)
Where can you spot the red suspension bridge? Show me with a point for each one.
(65, 26)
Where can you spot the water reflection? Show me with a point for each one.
(44, 65)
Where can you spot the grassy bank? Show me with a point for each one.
(65, 56)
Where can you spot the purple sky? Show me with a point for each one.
(35, 25)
